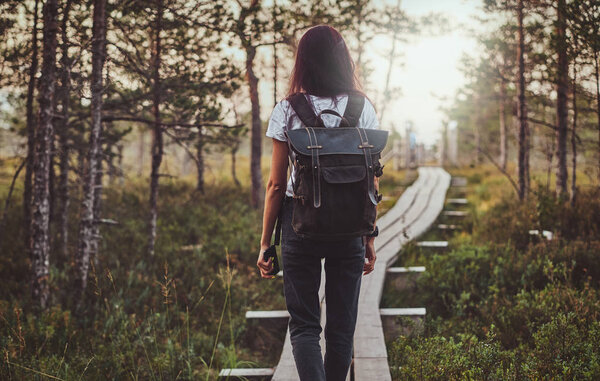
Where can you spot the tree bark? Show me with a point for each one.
(200, 162)
(40, 203)
(574, 140)
(562, 85)
(256, 130)
(63, 133)
(87, 238)
(30, 125)
(157, 134)
(523, 157)
(503, 140)
(597, 74)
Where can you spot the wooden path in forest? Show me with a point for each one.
(412, 215)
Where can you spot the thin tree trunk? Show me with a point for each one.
(30, 125)
(503, 140)
(200, 162)
(388, 75)
(9, 196)
(233, 165)
(574, 140)
(97, 200)
(562, 86)
(157, 137)
(40, 203)
(522, 109)
(63, 133)
(256, 130)
(87, 238)
(141, 151)
(597, 74)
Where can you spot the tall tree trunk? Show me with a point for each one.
(574, 140)
(256, 130)
(157, 136)
(63, 133)
(200, 161)
(40, 203)
(597, 74)
(388, 75)
(562, 85)
(30, 125)
(87, 238)
(141, 151)
(503, 140)
(522, 109)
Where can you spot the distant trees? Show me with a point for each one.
(539, 62)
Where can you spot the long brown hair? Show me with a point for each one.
(323, 65)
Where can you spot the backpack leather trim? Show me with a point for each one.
(337, 141)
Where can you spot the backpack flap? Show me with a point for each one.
(336, 141)
(344, 175)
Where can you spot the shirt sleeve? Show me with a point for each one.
(368, 118)
(278, 121)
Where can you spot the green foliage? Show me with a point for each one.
(507, 305)
(179, 314)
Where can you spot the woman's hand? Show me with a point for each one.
(264, 267)
(370, 256)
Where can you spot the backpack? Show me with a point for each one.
(334, 192)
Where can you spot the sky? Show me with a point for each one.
(428, 70)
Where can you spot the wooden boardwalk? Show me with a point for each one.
(415, 211)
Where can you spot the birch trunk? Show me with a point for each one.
(40, 202)
(87, 238)
(562, 85)
(30, 125)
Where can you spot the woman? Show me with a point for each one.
(325, 73)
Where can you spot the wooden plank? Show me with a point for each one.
(278, 314)
(447, 227)
(457, 201)
(545, 233)
(436, 244)
(403, 311)
(246, 372)
(455, 213)
(403, 270)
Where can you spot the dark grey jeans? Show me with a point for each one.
(301, 260)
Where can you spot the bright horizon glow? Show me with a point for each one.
(428, 69)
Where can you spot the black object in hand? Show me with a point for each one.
(271, 252)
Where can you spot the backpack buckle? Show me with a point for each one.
(314, 147)
(365, 145)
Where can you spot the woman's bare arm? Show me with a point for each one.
(274, 195)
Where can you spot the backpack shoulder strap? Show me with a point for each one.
(304, 110)
(354, 109)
